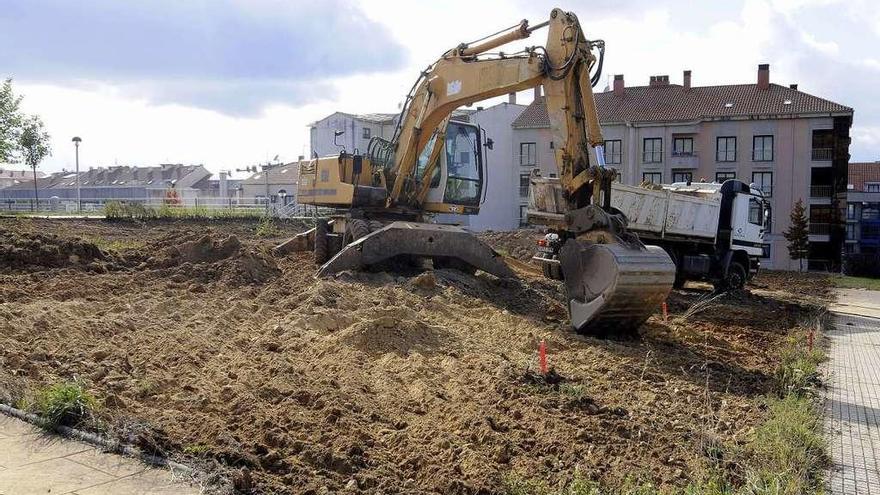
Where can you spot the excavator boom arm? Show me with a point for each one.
(460, 78)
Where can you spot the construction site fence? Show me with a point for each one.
(177, 207)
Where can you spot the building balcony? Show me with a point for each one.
(821, 191)
(822, 154)
(684, 159)
(820, 228)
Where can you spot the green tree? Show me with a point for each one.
(798, 234)
(10, 122)
(34, 146)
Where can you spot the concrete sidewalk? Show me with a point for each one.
(34, 462)
(852, 405)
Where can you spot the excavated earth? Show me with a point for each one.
(200, 345)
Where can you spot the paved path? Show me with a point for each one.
(852, 406)
(33, 462)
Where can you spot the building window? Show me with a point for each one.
(366, 133)
(725, 149)
(612, 152)
(851, 232)
(720, 177)
(523, 217)
(652, 177)
(678, 176)
(768, 219)
(524, 185)
(851, 211)
(527, 157)
(765, 251)
(762, 148)
(764, 182)
(652, 150)
(872, 187)
(683, 146)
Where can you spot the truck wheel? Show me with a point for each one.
(322, 243)
(357, 228)
(736, 277)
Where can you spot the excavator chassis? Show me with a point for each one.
(444, 244)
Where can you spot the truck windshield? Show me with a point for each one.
(464, 182)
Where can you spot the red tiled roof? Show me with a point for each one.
(860, 173)
(673, 103)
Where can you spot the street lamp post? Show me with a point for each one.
(76, 140)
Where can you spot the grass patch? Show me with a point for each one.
(67, 404)
(115, 245)
(788, 453)
(848, 282)
(115, 210)
(267, 228)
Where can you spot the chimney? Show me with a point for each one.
(537, 91)
(793, 86)
(658, 81)
(764, 76)
(687, 80)
(511, 98)
(618, 85)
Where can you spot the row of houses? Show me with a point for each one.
(188, 184)
(789, 143)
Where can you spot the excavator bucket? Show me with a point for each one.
(420, 240)
(614, 287)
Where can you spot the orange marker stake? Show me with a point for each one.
(542, 355)
(810, 340)
(665, 311)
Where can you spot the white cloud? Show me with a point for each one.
(722, 44)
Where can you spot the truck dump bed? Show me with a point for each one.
(689, 212)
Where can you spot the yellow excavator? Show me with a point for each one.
(384, 199)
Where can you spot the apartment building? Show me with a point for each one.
(353, 132)
(863, 208)
(789, 143)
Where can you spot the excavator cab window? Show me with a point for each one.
(423, 162)
(464, 171)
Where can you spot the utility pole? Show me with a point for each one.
(76, 140)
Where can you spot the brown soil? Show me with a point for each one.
(377, 382)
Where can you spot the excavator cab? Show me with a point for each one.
(458, 176)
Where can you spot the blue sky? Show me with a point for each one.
(229, 83)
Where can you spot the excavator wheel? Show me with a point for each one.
(322, 242)
(357, 228)
(614, 287)
(375, 225)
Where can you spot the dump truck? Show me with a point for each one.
(712, 232)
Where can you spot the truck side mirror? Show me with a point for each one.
(490, 143)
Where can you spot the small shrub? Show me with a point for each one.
(66, 404)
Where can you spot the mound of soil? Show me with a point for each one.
(207, 258)
(36, 251)
(519, 244)
(388, 383)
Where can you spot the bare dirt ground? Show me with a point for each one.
(199, 344)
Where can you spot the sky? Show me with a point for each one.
(232, 83)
